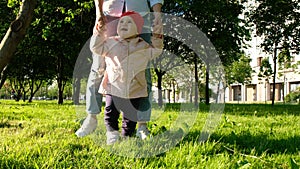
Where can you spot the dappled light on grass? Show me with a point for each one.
(46, 139)
(167, 129)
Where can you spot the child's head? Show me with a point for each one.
(130, 25)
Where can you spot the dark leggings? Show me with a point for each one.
(129, 108)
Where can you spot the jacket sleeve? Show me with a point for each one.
(97, 46)
(97, 43)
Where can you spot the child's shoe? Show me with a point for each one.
(88, 126)
(112, 137)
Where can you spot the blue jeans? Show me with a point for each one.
(93, 97)
(144, 111)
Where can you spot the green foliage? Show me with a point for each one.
(219, 20)
(49, 51)
(285, 57)
(284, 60)
(293, 96)
(278, 22)
(265, 70)
(12, 3)
(240, 71)
(4, 11)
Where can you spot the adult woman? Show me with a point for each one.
(108, 11)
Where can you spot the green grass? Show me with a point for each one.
(41, 135)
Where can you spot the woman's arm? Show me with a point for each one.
(156, 7)
(99, 11)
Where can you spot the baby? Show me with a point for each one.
(124, 84)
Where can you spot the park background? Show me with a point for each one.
(42, 67)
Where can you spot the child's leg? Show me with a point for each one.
(129, 109)
(128, 127)
(111, 114)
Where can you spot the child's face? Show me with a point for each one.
(127, 27)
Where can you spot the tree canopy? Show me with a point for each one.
(45, 45)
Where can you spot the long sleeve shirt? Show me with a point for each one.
(115, 7)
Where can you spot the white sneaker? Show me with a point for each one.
(142, 132)
(112, 137)
(88, 126)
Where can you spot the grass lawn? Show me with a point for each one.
(41, 135)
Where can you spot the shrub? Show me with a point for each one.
(293, 96)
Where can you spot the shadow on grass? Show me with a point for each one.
(262, 109)
(13, 163)
(36, 102)
(4, 124)
(7, 124)
(245, 109)
(245, 142)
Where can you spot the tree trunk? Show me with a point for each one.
(207, 85)
(174, 91)
(60, 91)
(76, 90)
(60, 80)
(196, 104)
(32, 90)
(274, 74)
(191, 92)
(3, 77)
(159, 84)
(23, 94)
(16, 32)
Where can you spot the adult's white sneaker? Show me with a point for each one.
(142, 132)
(88, 126)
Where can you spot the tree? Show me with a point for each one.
(4, 25)
(278, 23)
(65, 23)
(265, 72)
(220, 21)
(29, 68)
(284, 63)
(81, 70)
(52, 43)
(169, 59)
(240, 71)
(16, 32)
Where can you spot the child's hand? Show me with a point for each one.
(103, 87)
(100, 24)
